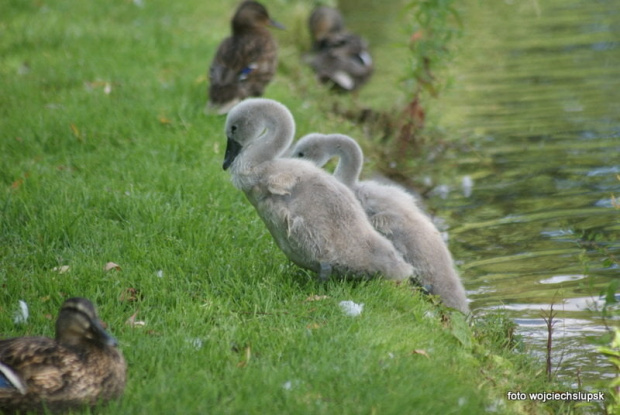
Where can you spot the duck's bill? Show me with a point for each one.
(103, 336)
(277, 25)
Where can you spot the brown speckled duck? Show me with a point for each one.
(339, 58)
(246, 61)
(80, 367)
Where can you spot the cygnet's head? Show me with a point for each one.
(312, 147)
(253, 119)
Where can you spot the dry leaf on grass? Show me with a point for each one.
(422, 352)
(248, 356)
(317, 297)
(111, 266)
(105, 85)
(131, 321)
(76, 131)
(130, 295)
(17, 184)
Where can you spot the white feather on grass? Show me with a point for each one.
(21, 315)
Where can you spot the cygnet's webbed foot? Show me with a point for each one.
(425, 288)
(325, 272)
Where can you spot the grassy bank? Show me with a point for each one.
(106, 156)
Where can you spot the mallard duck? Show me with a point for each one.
(80, 367)
(338, 57)
(246, 61)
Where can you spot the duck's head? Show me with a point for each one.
(325, 21)
(78, 324)
(252, 15)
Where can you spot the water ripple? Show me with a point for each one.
(540, 226)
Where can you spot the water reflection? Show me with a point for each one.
(537, 97)
(562, 278)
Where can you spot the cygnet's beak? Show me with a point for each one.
(233, 149)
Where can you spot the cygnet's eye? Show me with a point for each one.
(300, 154)
(233, 128)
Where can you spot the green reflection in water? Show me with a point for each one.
(536, 96)
(535, 100)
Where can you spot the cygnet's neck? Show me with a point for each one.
(278, 133)
(351, 158)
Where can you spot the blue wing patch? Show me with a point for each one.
(4, 382)
(245, 72)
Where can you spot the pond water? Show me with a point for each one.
(527, 200)
(530, 210)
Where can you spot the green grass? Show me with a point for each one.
(105, 155)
